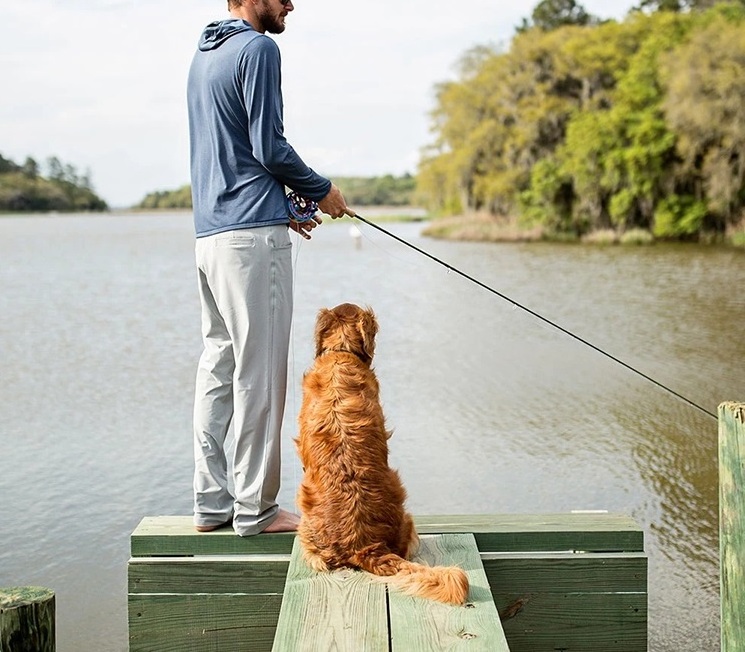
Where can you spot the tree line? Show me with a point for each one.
(386, 190)
(24, 188)
(584, 125)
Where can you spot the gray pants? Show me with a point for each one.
(245, 288)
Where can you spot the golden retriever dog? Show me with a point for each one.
(351, 501)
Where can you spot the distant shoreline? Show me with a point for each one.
(388, 213)
(464, 228)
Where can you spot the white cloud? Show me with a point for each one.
(101, 83)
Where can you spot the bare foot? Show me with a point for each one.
(212, 528)
(285, 522)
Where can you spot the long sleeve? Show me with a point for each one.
(262, 94)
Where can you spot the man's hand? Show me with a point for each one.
(334, 204)
(304, 228)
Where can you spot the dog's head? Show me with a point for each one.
(347, 328)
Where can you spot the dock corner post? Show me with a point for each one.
(27, 619)
(732, 524)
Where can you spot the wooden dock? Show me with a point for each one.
(572, 582)
(348, 610)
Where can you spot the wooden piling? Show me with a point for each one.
(732, 524)
(27, 619)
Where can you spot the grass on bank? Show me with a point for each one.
(488, 228)
(481, 228)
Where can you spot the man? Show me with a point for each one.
(240, 165)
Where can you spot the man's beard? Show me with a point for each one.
(269, 21)
(275, 26)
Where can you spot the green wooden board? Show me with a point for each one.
(228, 574)
(175, 535)
(577, 602)
(342, 611)
(419, 625)
(624, 572)
(587, 532)
(575, 622)
(196, 623)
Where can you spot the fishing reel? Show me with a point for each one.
(301, 209)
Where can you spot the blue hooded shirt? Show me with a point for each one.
(240, 159)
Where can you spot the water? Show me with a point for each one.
(492, 409)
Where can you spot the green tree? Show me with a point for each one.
(55, 169)
(663, 5)
(680, 5)
(705, 107)
(22, 188)
(30, 168)
(638, 124)
(512, 111)
(552, 14)
(167, 199)
(386, 190)
(6, 165)
(618, 156)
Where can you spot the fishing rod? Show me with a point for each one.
(298, 216)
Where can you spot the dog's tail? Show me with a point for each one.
(442, 583)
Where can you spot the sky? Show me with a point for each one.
(101, 83)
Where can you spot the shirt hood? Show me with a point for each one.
(216, 33)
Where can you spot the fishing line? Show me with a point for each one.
(537, 315)
(376, 243)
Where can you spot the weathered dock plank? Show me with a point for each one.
(193, 592)
(237, 622)
(209, 574)
(570, 601)
(732, 524)
(611, 572)
(418, 625)
(339, 611)
(586, 532)
(175, 535)
(578, 623)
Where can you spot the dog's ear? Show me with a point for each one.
(324, 321)
(368, 327)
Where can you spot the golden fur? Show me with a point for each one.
(351, 501)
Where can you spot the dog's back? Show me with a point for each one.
(349, 497)
(352, 502)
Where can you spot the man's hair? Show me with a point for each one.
(234, 3)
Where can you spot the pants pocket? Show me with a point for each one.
(279, 238)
